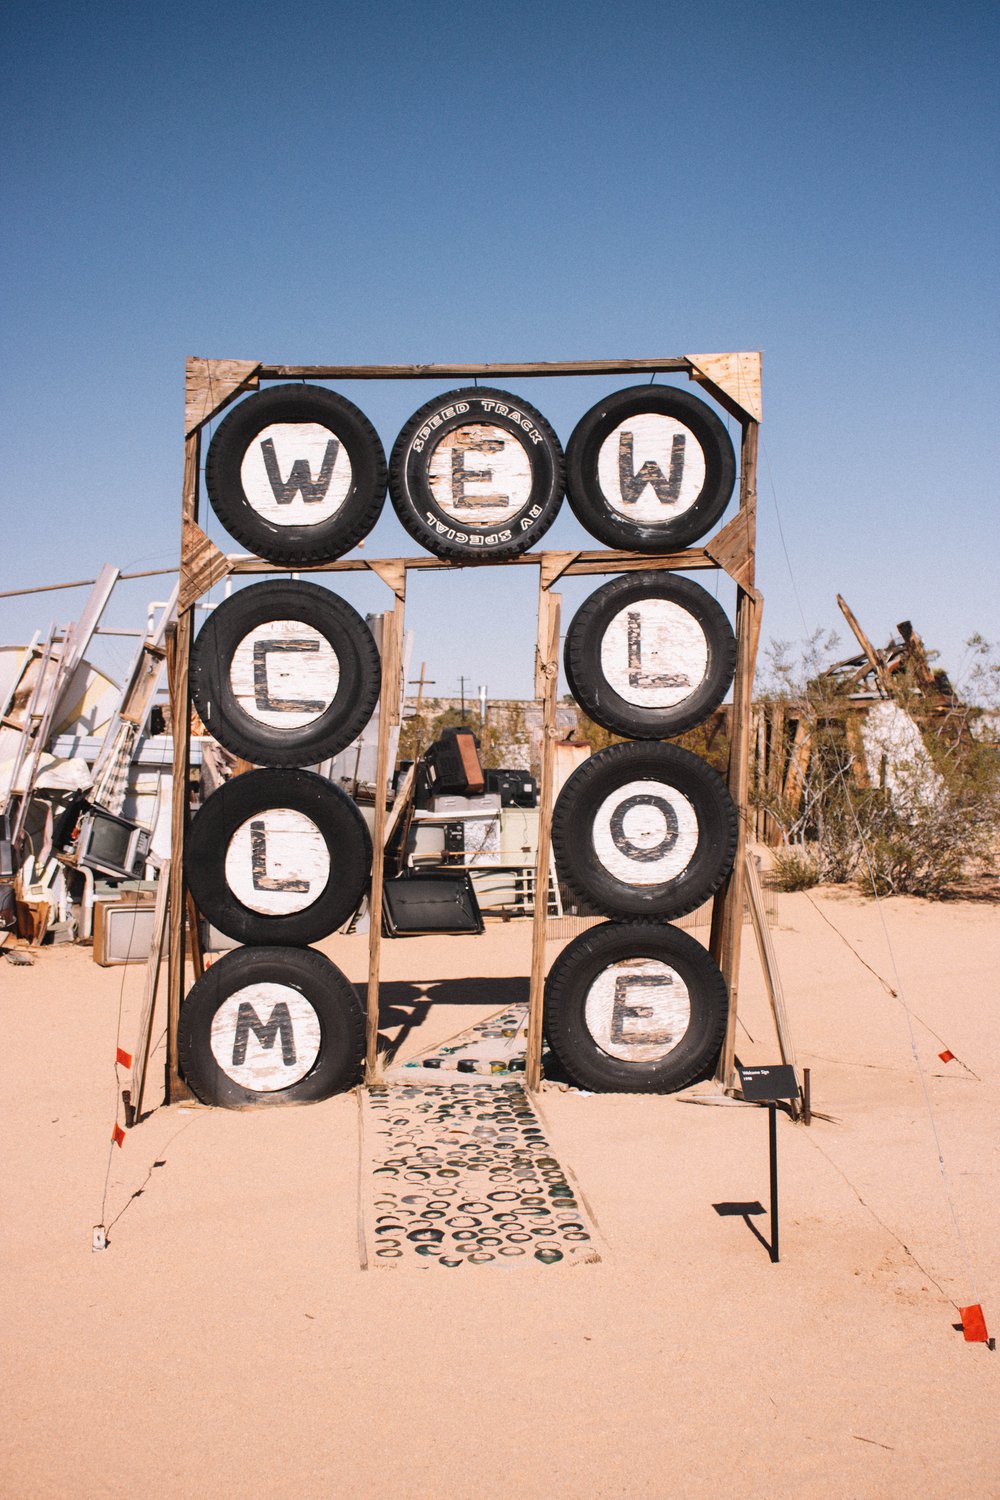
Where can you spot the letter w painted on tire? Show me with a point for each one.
(279, 1023)
(300, 478)
(667, 488)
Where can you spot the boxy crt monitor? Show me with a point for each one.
(112, 845)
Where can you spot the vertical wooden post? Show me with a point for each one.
(546, 686)
(389, 696)
(727, 913)
(180, 711)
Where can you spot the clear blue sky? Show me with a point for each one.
(396, 183)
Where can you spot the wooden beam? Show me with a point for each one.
(548, 657)
(178, 643)
(210, 385)
(769, 968)
(882, 682)
(674, 364)
(727, 913)
(390, 673)
(798, 768)
(733, 379)
(603, 561)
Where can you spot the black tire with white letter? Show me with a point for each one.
(285, 673)
(278, 857)
(469, 508)
(635, 1008)
(297, 474)
(270, 1026)
(649, 469)
(649, 655)
(644, 830)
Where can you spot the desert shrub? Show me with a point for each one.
(793, 870)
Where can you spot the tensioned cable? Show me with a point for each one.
(901, 997)
(899, 993)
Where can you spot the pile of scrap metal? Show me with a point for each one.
(877, 703)
(84, 785)
(455, 819)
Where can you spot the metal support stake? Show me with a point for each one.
(772, 1134)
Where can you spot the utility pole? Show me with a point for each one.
(420, 683)
(462, 684)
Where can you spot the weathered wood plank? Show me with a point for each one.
(548, 656)
(210, 385)
(390, 673)
(732, 548)
(178, 642)
(202, 565)
(727, 916)
(734, 380)
(769, 968)
(448, 372)
(870, 653)
(603, 561)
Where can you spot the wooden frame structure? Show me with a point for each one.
(734, 381)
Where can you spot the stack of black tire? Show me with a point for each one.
(644, 831)
(284, 674)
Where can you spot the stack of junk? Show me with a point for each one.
(86, 781)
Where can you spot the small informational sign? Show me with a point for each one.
(761, 1085)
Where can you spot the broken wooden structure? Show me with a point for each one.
(785, 732)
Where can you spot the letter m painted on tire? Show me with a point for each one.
(279, 1023)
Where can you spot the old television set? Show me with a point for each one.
(112, 845)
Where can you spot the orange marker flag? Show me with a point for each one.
(973, 1324)
(946, 1056)
(123, 1057)
(118, 1135)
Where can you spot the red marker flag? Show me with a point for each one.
(946, 1056)
(973, 1324)
(123, 1057)
(118, 1135)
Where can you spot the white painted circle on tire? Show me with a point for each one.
(480, 475)
(651, 468)
(265, 1037)
(638, 1010)
(645, 833)
(277, 862)
(654, 653)
(296, 474)
(284, 674)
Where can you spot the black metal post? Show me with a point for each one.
(772, 1132)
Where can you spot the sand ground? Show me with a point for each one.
(227, 1342)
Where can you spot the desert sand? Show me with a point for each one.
(228, 1343)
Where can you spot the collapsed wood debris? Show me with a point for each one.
(877, 703)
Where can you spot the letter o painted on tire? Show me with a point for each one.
(644, 830)
(649, 469)
(649, 655)
(285, 673)
(297, 474)
(635, 1008)
(269, 1026)
(278, 856)
(476, 475)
